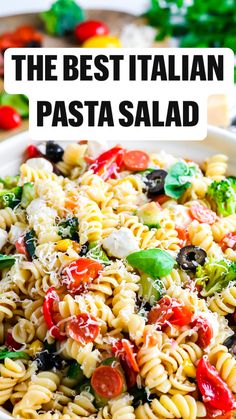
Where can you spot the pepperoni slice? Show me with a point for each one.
(202, 214)
(83, 328)
(107, 381)
(136, 160)
(130, 355)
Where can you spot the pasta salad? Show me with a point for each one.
(118, 285)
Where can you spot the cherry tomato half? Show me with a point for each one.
(31, 152)
(181, 316)
(204, 330)
(135, 160)
(50, 313)
(202, 214)
(9, 118)
(83, 328)
(90, 28)
(107, 381)
(161, 312)
(228, 241)
(168, 309)
(214, 390)
(80, 272)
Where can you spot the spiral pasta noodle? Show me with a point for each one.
(216, 166)
(176, 406)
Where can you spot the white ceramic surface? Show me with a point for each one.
(218, 141)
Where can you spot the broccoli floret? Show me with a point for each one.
(223, 196)
(215, 275)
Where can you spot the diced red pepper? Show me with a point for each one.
(50, 313)
(214, 390)
(126, 352)
(108, 163)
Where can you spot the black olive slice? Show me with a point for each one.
(47, 361)
(54, 152)
(189, 257)
(155, 182)
(230, 343)
(84, 249)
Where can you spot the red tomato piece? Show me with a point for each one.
(107, 382)
(31, 152)
(161, 199)
(80, 272)
(9, 118)
(135, 160)
(161, 312)
(205, 331)
(181, 316)
(228, 241)
(50, 302)
(83, 328)
(169, 310)
(202, 214)
(20, 246)
(90, 28)
(183, 235)
(214, 390)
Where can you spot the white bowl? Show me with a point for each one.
(217, 141)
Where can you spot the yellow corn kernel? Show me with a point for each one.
(189, 369)
(62, 245)
(35, 347)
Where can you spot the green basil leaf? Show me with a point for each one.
(19, 102)
(178, 179)
(6, 261)
(16, 354)
(155, 262)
